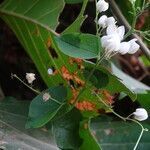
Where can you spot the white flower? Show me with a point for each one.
(111, 42)
(50, 71)
(105, 21)
(140, 114)
(30, 77)
(46, 96)
(102, 21)
(102, 5)
(110, 21)
(113, 29)
(133, 46)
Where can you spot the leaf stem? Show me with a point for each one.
(141, 133)
(56, 101)
(96, 20)
(100, 99)
(83, 7)
(15, 76)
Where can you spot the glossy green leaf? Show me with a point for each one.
(34, 22)
(113, 135)
(78, 45)
(107, 81)
(99, 78)
(13, 116)
(42, 111)
(66, 130)
(89, 141)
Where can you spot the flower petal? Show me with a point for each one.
(124, 47)
(121, 32)
(102, 21)
(133, 46)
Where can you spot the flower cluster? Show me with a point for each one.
(112, 41)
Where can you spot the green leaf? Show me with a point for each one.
(113, 135)
(34, 22)
(107, 81)
(89, 141)
(99, 79)
(75, 26)
(78, 45)
(13, 116)
(41, 111)
(131, 83)
(144, 101)
(66, 130)
(73, 1)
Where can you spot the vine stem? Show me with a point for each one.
(96, 19)
(15, 76)
(55, 100)
(125, 119)
(141, 133)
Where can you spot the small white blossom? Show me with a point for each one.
(46, 96)
(110, 21)
(50, 71)
(30, 77)
(102, 5)
(113, 29)
(105, 21)
(102, 21)
(140, 114)
(133, 46)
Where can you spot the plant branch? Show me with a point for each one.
(15, 76)
(122, 19)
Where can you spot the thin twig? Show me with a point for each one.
(15, 76)
(122, 19)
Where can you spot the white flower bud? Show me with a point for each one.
(133, 46)
(102, 21)
(102, 5)
(111, 43)
(110, 21)
(50, 71)
(140, 114)
(124, 47)
(30, 77)
(46, 96)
